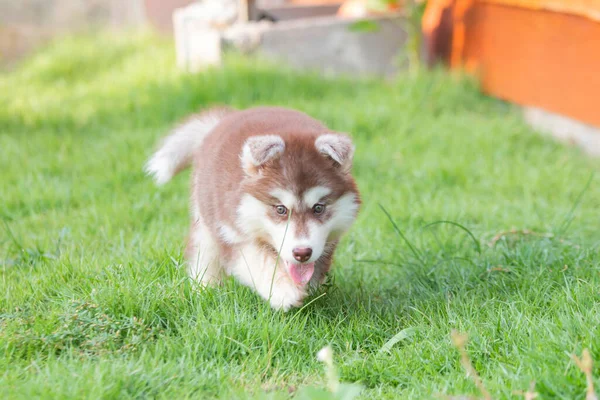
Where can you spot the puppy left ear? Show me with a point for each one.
(258, 150)
(338, 147)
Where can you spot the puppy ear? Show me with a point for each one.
(338, 147)
(259, 150)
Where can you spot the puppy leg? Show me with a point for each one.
(284, 294)
(202, 254)
(256, 269)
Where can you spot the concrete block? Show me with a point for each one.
(332, 46)
(565, 129)
(197, 44)
(328, 44)
(198, 30)
(291, 11)
(245, 37)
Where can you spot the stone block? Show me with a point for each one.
(197, 43)
(565, 129)
(334, 45)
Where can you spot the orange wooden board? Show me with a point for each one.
(586, 8)
(538, 58)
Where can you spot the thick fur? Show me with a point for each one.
(176, 151)
(272, 193)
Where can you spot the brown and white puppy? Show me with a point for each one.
(271, 195)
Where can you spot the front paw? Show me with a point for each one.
(285, 298)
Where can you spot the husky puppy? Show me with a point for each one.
(271, 195)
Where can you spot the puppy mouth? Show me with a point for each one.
(300, 273)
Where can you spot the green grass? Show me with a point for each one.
(94, 303)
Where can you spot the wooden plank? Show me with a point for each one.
(536, 58)
(437, 27)
(585, 8)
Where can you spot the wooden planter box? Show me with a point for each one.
(539, 53)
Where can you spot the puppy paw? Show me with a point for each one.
(286, 297)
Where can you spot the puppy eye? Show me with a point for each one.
(319, 208)
(281, 210)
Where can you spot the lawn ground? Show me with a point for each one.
(94, 304)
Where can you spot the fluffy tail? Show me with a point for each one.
(176, 150)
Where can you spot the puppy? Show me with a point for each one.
(271, 195)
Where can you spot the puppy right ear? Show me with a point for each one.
(258, 150)
(337, 147)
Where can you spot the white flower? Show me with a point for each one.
(325, 355)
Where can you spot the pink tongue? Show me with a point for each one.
(301, 273)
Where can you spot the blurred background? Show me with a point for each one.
(541, 54)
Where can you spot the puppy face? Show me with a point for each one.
(299, 197)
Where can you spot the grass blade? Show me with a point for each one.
(398, 337)
(569, 218)
(412, 248)
(475, 241)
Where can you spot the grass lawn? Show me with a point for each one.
(94, 302)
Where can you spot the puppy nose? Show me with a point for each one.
(302, 254)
